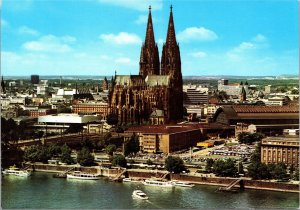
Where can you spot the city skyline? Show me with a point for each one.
(99, 37)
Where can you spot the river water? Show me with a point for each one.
(41, 190)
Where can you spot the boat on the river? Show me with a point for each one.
(13, 170)
(139, 194)
(132, 180)
(158, 183)
(81, 175)
(183, 184)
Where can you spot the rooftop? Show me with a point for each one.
(266, 109)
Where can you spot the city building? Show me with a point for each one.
(157, 87)
(64, 118)
(268, 89)
(35, 110)
(243, 127)
(91, 107)
(232, 89)
(3, 86)
(35, 79)
(105, 84)
(166, 138)
(194, 95)
(276, 101)
(280, 149)
(265, 118)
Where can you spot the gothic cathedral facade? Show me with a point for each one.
(155, 95)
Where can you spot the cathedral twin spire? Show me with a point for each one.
(149, 60)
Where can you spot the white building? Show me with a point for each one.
(68, 118)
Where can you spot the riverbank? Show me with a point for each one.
(144, 174)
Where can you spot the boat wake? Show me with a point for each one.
(153, 204)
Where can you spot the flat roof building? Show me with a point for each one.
(68, 118)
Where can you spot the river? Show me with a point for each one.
(41, 190)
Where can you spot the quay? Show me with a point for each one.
(114, 173)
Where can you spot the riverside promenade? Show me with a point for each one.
(201, 179)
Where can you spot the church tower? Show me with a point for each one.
(149, 60)
(171, 66)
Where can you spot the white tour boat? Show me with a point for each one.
(158, 183)
(183, 184)
(84, 176)
(139, 194)
(13, 170)
(131, 180)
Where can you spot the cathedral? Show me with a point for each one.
(155, 95)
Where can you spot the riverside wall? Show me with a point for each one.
(205, 179)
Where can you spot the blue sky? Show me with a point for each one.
(97, 37)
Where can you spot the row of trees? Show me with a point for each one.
(223, 167)
(42, 154)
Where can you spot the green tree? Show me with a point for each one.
(31, 153)
(257, 170)
(104, 141)
(110, 149)
(112, 119)
(225, 168)
(174, 164)
(255, 157)
(295, 91)
(37, 154)
(249, 138)
(132, 146)
(280, 171)
(296, 174)
(66, 155)
(44, 154)
(209, 165)
(54, 150)
(241, 168)
(119, 160)
(85, 158)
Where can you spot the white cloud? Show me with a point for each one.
(140, 5)
(121, 38)
(245, 46)
(50, 43)
(198, 54)
(195, 33)
(27, 30)
(259, 38)
(123, 60)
